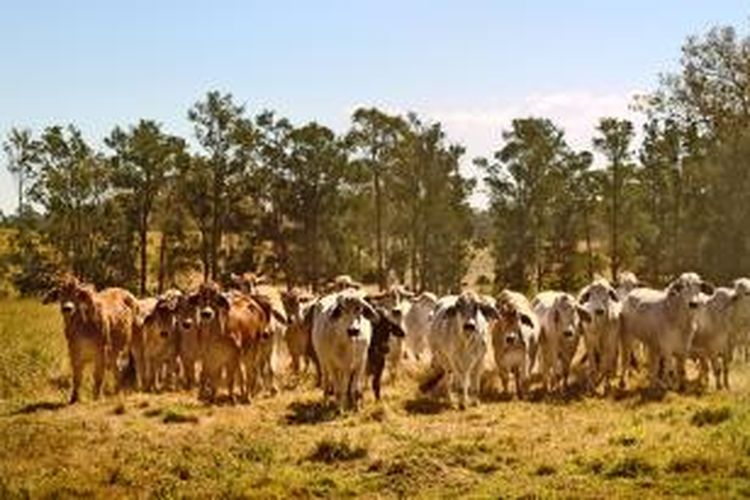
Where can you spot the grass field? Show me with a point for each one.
(170, 445)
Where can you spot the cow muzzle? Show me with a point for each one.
(693, 304)
(599, 312)
(67, 307)
(187, 324)
(568, 334)
(207, 313)
(511, 339)
(470, 326)
(352, 332)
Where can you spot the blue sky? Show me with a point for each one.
(472, 64)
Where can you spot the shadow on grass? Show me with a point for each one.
(426, 406)
(40, 406)
(311, 412)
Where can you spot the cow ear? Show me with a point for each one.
(192, 299)
(526, 320)
(223, 301)
(584, 314)
(489, 311)
(368, 312)
(51, 296)
(707, 288)
(613, 295)
(336, 311)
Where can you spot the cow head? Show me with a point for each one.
(687, 289)
(75, 298)
(471, 312)
(394, 303)
(210, 302)
(162, 324)
(597, 301)
(568, 317)
(349, 311)
(625, 282)
(247, 282)
(515, 325)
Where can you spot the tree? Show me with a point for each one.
(144, 159)
(21, 152)
(521, 187)
(613, 141)
(227, 138)
(374, 135)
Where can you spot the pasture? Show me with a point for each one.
(290, 445)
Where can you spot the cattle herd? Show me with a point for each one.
(215, 338)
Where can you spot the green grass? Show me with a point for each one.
(170, 445)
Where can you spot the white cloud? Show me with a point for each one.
(576, 112)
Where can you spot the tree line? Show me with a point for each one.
(386, 200)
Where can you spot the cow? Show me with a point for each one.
(664, 322)
(340, 283)
(417, 322)
(189, 341)
(342, 330)
(383, 329)
(298, 335)
(626, 281)
(459, 341)
(160, 342)
(247, 283)
(97, 325)
(560, 320)
(394, 303)
(601, 335)
(515, 339)
(712, 342)
(145, 308)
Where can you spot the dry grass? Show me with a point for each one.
(170, 445)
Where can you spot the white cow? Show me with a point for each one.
(515, 339)
(626, 281)
(712, 343)
(417, 323)
(341, 336)
(664, 321)
(601, 335)
(560, 332)
(459, 340)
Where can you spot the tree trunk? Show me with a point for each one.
(589, 250)
(614, 254)
(143, 234)
(162, 262)
(379, 229)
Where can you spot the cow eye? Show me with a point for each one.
(585, 297)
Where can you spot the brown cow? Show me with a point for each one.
(231, 328)
(299, 332)
(160, 342)
(98, 325)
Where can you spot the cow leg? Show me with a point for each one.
(76, 362)
(726, 360)
(377, 373)
(680, 360)
(504, 378)
(188, 369)
(100, 361)
(717, 371)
